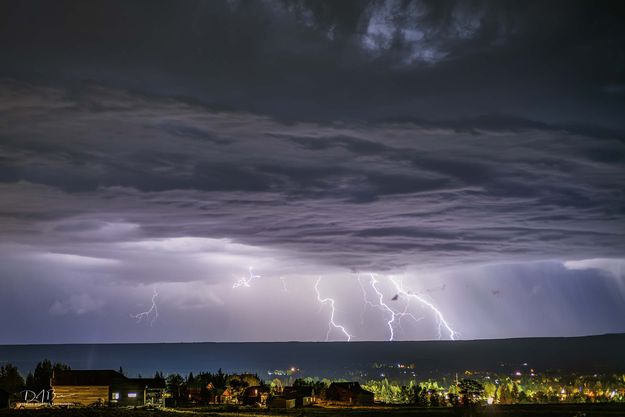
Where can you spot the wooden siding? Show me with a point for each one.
(83, 395)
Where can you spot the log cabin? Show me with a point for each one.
(105, 388)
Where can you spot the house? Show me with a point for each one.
(200, 392)
(349, 393)
(255, 395)
(227, 397)
(303, 396)
(105, 388)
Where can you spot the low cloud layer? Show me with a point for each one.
(361, 197)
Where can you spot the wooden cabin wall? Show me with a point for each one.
(83, 395)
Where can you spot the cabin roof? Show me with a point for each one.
(102, 377)
(87, 377)
(350, 386)
(300, 391)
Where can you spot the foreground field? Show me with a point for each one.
(569, 410)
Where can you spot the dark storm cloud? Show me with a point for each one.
(426, 60)
(353, 195)
(193, 132)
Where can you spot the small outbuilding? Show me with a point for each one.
(304, 396)
(281, 403)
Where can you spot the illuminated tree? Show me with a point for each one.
(421, 395)
(470, 391)
(514, 393)
(523, 398)
(276, 386)
(490, 390)
(504, 394)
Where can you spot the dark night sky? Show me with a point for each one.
(472, 152)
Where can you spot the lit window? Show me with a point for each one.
(115, 395)
(132, 395)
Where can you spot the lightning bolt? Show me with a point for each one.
(151, 314)
(245, 281)
(284, 288)
(365, 300)
(331, 322)
(442, 322)
(383, 305)
(395, 316)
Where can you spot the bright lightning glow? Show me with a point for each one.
(331, 322)
(151, 314)
(405, 313)
(390, 322)
(245, 281)
(365, 300)
(439, 316)
(383, 307)
(284, 288)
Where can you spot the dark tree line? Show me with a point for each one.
(12, 381)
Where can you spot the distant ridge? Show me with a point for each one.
(588, 354)
(313, 341)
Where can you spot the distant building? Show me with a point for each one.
(105, 388)
(349, 393)
(199, 392)
(226, 397)
(256, 395)
(303, 396)
(281, 402)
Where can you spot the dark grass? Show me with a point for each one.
(532, 410)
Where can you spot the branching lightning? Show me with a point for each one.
(442, 323)
(366, 301)
(392, 315)
(395, 316)
(331, 322)
(246, 281)
(151, 314)
(390, 322)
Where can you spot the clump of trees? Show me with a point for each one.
(40, 378)
(319, 385)
(10, 379)
(501, 389)
(471, 392)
